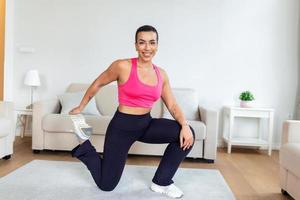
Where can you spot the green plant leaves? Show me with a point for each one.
(246, 96)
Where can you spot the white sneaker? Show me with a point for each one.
(82, 130)
(170, 190)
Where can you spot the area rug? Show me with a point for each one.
(61, 180)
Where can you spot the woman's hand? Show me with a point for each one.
(186, 137)
(75, 111)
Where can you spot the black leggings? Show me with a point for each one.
(123, 130)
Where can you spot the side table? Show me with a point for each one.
(21, 115)
(230, 113)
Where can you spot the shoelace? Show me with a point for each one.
(82, 124)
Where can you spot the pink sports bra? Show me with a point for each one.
(136, 93)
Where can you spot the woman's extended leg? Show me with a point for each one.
(123, 130)
(106, 171)
(166, 131)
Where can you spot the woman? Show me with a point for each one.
(140, 84)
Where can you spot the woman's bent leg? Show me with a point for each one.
(166, 131)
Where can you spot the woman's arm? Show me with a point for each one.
(109, 75)
(170, 101)
(186, 136)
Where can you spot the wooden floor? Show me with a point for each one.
(251, 174)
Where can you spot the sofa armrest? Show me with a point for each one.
(210, 119)
(7, 135)
(40, 109)
(291, 132)
(7, 113)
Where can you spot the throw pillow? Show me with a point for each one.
(70, 100)
(187, 99)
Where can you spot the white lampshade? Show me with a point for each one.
(32, 78)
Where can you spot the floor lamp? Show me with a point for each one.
(32, 79)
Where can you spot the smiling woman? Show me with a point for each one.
(2, 30)
(140, 84)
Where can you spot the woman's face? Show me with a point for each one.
(146, 45)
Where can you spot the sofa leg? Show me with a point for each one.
(7, 157)
(209, 160)
(284, 192)
(203, 160)
(36, 151)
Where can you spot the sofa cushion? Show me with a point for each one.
(290, 157)
(77, 87)
(70, 100)
(199, 128)
(187, 99)
(107, 100)
(62, 123)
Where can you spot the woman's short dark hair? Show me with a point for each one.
(146, 28)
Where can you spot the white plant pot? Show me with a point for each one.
(246, 104)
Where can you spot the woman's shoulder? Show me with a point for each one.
(162, 72)
(122, 62)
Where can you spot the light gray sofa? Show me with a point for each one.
(54, 131)
(7, 134)
(289, 158)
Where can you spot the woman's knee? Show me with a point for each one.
(107, 187)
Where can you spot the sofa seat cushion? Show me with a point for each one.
(62, 123)
(199, 128)
(290, 157)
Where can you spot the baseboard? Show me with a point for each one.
(275, 146)
(27, 133)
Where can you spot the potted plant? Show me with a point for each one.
(246, 98)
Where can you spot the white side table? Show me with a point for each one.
(21, 113)
(230, 113)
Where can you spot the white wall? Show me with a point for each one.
(219, 47)
(9, 50)
(297, 103)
